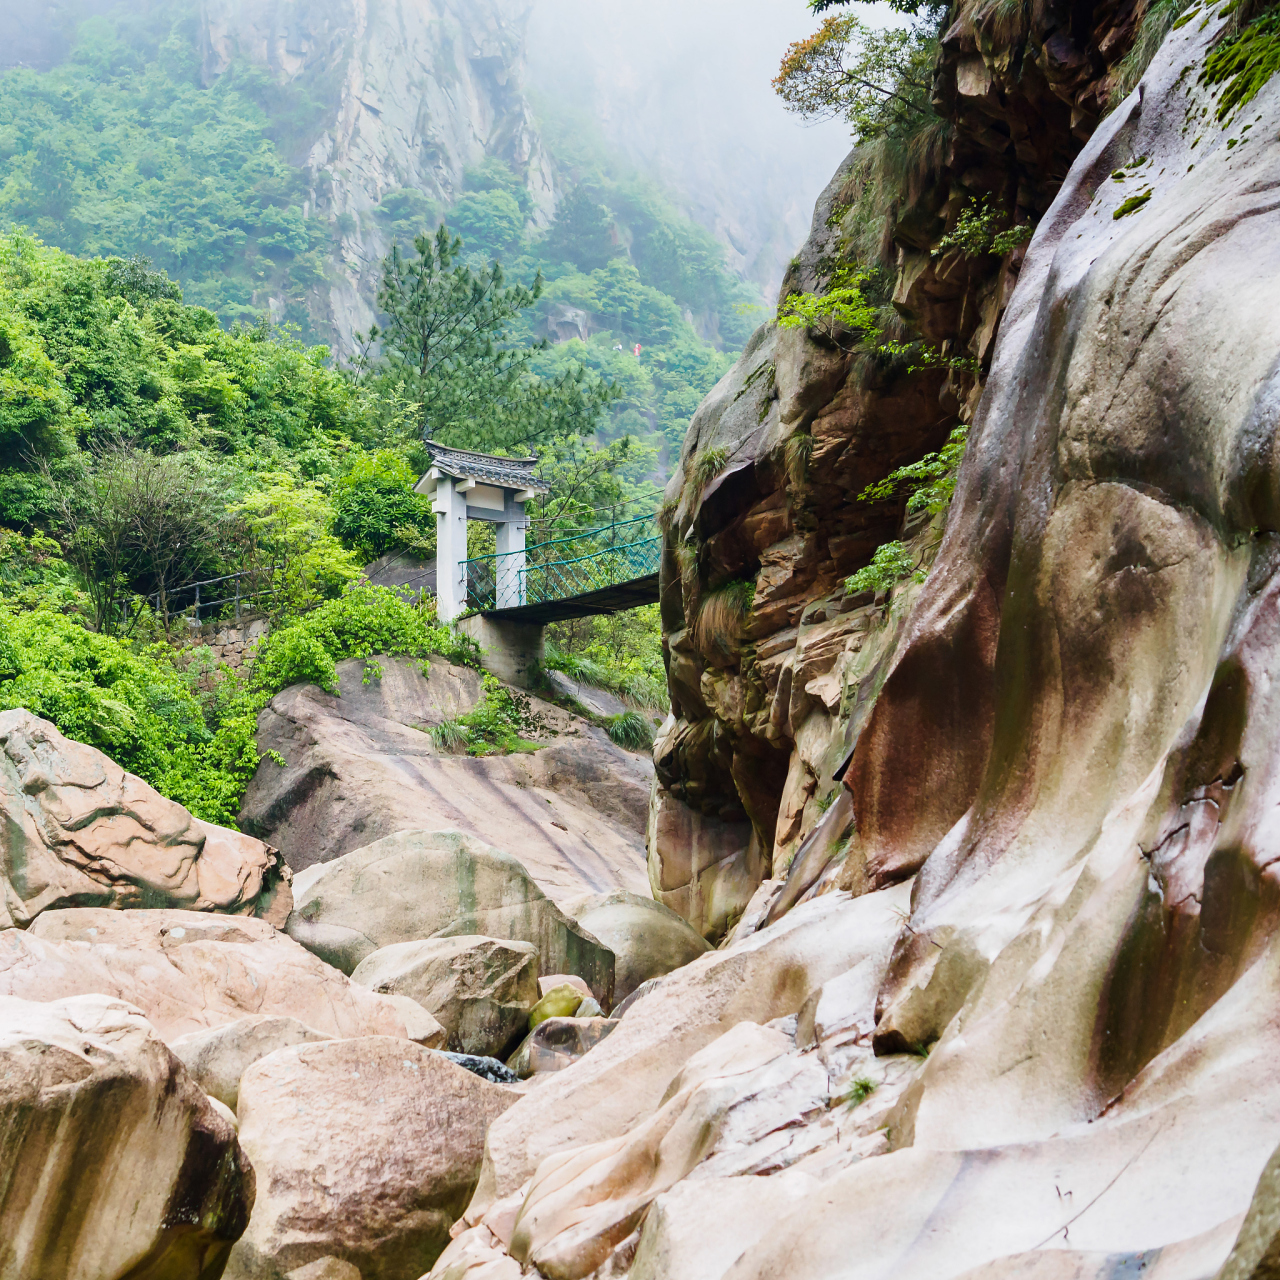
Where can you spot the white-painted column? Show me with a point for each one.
(511, 560)
(450, 507)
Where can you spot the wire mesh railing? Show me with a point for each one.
(564, 567)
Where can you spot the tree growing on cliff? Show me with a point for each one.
(447, 345)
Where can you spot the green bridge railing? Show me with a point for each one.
(565, 567)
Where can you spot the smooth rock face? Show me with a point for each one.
(361, 767)
(647, 939)
(702, 867)
(423, 884)
(366, 1151)
(187, 970)
(479, 989)
(555, 1043)
(80, 832)
(216, 1058)
(1073, 748)
(114, 1163)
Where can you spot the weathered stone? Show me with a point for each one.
(558, 1042)
(187, 970)
(80, 832)
(647, 939)
(362, 766)
(326, 1268)
(366, 1150)
(419, 1025)
(559, 1002)
(486, 1068)
(703, 868)
(548, 981)
(479, 989)
(768, 975)
(217, 1057)
(424, 884)
(114, 1162)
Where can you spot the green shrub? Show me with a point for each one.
(629, 730)
(499, 725)
(890, 564)
(931, 481)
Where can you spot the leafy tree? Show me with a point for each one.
(879, 81)
(295, 561)
(376, 510)
(446, 342)
(582, 233)
(136, 525)
(491, 220)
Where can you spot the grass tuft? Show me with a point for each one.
(719, 624)
(630, 730)
(859, 1091)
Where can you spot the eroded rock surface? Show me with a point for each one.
(81, 832)
(187, 970)
(363, 766)
(479, 989)
(366, 1151)
(418, 885)
(114, 1162)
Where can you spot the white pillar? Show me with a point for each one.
(511, 561)
(450, 507)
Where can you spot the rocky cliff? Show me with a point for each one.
(413, 92)
(774, 668)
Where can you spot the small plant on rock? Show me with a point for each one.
(630, 730)
(859, 1091)
(891, 564)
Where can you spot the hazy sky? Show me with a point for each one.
(682, 87)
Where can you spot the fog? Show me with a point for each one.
(682, 89)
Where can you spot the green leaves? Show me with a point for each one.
(842, 315)
(931, 481)
(891, 563)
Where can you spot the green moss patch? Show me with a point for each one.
(1132, 204)
(1245, 62)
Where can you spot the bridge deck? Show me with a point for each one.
(610, 599)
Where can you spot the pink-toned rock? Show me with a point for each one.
(187, 970)
(114, 1162)
(81, 832)
(366, 1151)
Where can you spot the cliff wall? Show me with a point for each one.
(766, 518)
(414, 92)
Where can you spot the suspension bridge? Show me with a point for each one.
(576, 574)
(603, 570)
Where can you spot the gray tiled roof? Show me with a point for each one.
(462, 464)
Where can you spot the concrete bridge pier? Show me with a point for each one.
(512, 651)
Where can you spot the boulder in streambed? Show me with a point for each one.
(647, 938)
(437, 884)
(366, 1151)
(187, 970)
(556, 1043)
(560, 1002)
(479, 989)
(81, 832)
(217, 1057)
(115, 1163)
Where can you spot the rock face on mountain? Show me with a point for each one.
(1054, 814)
(114, 1162)
(78, 831)
(420, 91)
(362, 766)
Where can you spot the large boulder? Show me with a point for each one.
(187, 970)
(217, 1057)
(424, 884)
(479, 989)
(647, 938)
(114, 1163)
(366, 1151)
(362, 766)
(81, 832)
